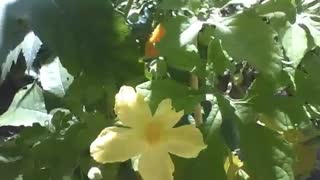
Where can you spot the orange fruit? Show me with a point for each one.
(150, 46)
(157, 34)
(150, 50)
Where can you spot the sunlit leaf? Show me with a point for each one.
(240, 38)
(55, 78)
(13, 28)
(26, 108)
(11, 59)
(177, 45)
(266, 154)
(30, 48)
(274, 9)
(295, 43)
(310, 18)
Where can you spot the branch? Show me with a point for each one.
(197, 111)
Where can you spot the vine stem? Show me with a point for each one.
(197, 111)
(128, 7)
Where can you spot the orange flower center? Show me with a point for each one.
(153, 133)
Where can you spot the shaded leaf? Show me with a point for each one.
(266, 154)
(229, 127)
(182, 97)
(86, 41)
(307, 81)
(239, 38)
(306, 159)
(219, 61)
(281, 113)
(209, 163)
(93, 95)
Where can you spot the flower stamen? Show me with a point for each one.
(153, 133)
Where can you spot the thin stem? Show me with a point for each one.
(197, 111)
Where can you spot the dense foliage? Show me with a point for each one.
(246, 72)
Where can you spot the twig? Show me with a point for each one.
(197, 111)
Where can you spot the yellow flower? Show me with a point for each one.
(232, 167)
(149, 139)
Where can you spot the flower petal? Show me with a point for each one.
(156, 164)
(116, 144)
(185, 141)
(166, 114)
(131, 108)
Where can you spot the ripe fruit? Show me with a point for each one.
(157, 34)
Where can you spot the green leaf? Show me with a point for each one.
(13, 27)
(310, 18)
(281, 113)
(219, 3)
(30, 48)
(177, 4)
(176, 46)
(276, 8)
(230, 120)
(27, 107)
(295, 43)
(86, 41)
(313, 27)
(182, 97)
(11, 59)
(307, 80)
(264, 86)
(55, 78)
(94, 124)
(70, 141)
(15, 151)
(266, 154)
(277, 111)
(31, 135)
(205, 35)
(172, 4)
(240, 38)
(93, 95)
(209, 163)
(216, 56)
